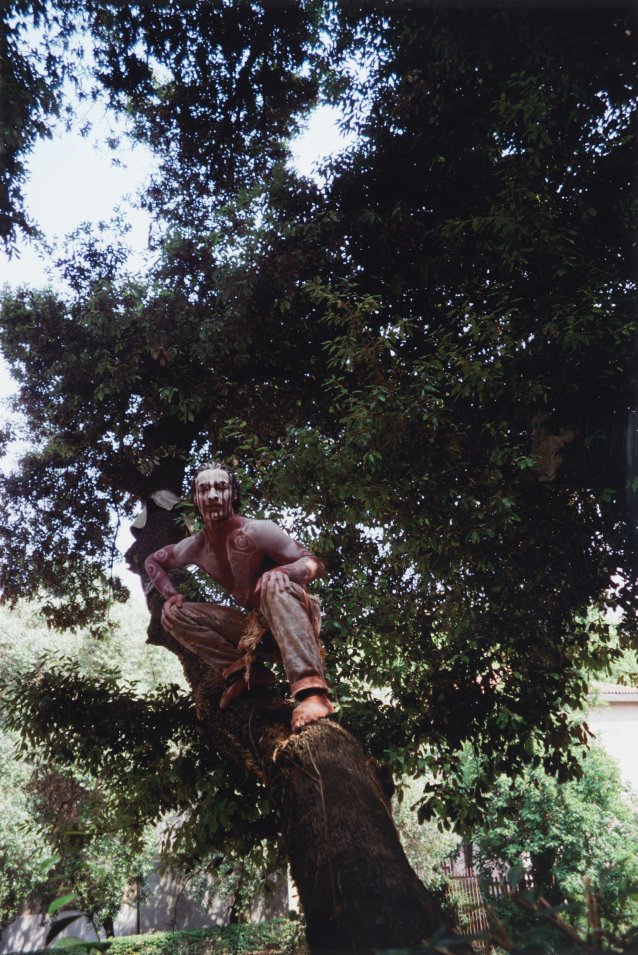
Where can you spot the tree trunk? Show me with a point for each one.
(355, 884)
(544, 873)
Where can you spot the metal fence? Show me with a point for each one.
(464, 891)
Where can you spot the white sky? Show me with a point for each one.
(73, 180)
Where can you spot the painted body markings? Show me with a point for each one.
(214, 495)
(162, 554)
(158, 576)
(241, 552)
(234, 557)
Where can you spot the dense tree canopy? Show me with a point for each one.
(214, 87)
(389, 355)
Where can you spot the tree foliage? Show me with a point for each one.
(383, 354)
(24, 859)
(130, 753)
(214, 87)
(56, 831)
(81, 798)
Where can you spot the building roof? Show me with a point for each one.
(616, 693)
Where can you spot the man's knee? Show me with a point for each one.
(189, 613)
(181, 613)
(279, 604)
(227, 621)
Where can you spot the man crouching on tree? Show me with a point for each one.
(265, 571)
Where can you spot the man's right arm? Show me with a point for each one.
(168, 558)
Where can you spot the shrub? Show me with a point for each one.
(276, 937)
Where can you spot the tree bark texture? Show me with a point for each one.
(355, 884)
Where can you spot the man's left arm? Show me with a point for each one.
(294, 561)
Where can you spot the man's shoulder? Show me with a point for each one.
(258, 529)
(255, 525)
(189, 546)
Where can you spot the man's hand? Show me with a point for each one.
(168, 610)
(272, 582)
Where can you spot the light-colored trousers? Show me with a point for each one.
(214, 632)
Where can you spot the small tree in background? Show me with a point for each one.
(563, 834)
(428, 844)
(25, 857)
(55, 834)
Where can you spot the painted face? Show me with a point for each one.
(214, 495)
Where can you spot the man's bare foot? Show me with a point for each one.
(313, 707)
(261, 677)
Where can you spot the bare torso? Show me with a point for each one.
(235, 555)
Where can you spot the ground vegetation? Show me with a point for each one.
(277, 937)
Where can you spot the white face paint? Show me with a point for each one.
(214, 495)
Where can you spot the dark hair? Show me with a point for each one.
(232, 477)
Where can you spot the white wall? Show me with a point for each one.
(615, 725)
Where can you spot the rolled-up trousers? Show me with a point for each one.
(213, 632)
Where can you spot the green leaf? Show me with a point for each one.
(60, 902)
